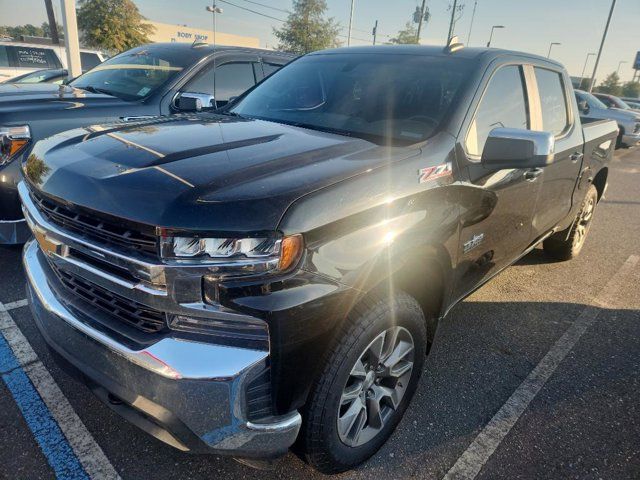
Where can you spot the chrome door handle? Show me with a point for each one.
(576, 156)
(531, 175)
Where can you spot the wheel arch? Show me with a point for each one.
(600, 181)
(424, 273)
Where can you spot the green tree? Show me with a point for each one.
(610, 85)
(408, 35)
(113, 25)
(631, 89)
(28, 29)
(307, 29)
(18, 30)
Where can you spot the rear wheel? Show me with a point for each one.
(565, 248)
(369, 378)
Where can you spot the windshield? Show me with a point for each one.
(620, 104)
(134, 74)
(40, 76)
(592, 101)
(398, 99)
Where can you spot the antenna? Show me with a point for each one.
(453, 45)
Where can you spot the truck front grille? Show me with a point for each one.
(132, 313)
(95, 227)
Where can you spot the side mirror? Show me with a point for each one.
(518, 148)
(194, 102)
(583, 106)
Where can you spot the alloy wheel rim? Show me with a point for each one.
(584, 221)
(375, 387)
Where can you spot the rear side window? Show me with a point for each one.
(555, 117)
(30, 57)
(89, 60)
(270, 68)
(503, 105)
(4, 58)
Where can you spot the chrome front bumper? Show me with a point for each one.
(631, 139)
(188, 394)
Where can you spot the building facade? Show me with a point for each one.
(165, 32)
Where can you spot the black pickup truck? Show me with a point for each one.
(147, 81)
(237, 281)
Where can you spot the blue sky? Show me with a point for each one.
(530, 24)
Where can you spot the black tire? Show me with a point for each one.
(619, 139)
(565, 247)
(321, 440)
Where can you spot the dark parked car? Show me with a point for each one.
(157, 79)
(46, 75)
(228, 281)
(612, 101)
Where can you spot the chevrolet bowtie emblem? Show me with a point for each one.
(48, 245)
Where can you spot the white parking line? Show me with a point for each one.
(14, 305)
(476, 455)
(90, 455)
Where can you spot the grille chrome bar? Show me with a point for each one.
(130, 312)
(96, 227)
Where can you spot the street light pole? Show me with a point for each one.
(453, 16)
(584, 68)
(619, 64)
(214, 9)
(70, 24)
(491, 35)
(473, 15)
(374, 32)
(551, 46)
(353, 3)
(604, 37)
(424, 5)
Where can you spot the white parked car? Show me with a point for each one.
(18, 58)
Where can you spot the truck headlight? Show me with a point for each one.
(250, 255)
(12, 141)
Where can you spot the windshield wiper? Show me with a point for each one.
(319, 128)
(92, 89)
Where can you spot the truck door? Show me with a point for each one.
(497, 205)
(559, 179)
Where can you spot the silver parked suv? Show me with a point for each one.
(628, 120)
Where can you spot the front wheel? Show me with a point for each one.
(370, 375)
(565, 247)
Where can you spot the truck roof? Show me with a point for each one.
(207, 48)
(476, 53)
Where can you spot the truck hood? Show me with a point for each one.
(198, 173)
(16, 97)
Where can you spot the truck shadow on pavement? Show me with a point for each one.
(483, 351)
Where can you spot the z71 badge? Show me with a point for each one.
(431, 173)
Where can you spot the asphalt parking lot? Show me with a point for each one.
(536, 375)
